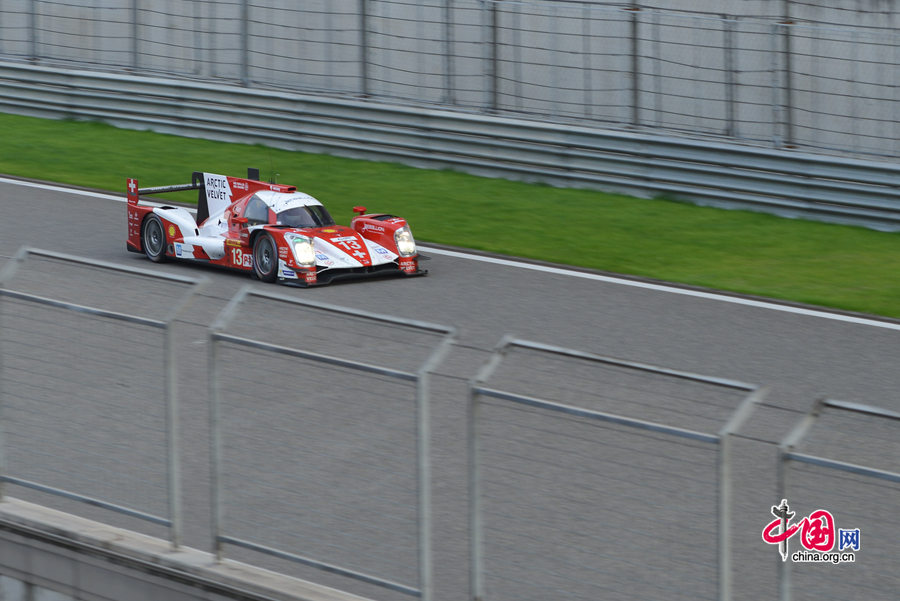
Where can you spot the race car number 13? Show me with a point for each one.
(239, 258)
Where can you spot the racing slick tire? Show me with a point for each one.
(265, 258)
(153, 239)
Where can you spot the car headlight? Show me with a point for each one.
(406, 245)
(303, 251)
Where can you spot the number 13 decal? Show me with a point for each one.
(240, 259)
(350, 244)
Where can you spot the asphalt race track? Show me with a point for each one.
(799, 353)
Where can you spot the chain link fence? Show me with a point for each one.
(767, 80)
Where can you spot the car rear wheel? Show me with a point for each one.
(153, 237)
(265, 258)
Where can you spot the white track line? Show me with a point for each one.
(671, 289)
(736, 300)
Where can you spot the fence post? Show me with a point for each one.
(730, 77)
(635, 11)
(586, 22)
(172, 434)
(364, 48)
(449, 96)
(788, 86)
(476, 527)
(492, 59)
(216, 476)
(787, 445)
(782, 80)
(423, 435)
(134, 34)
(777, 87)
(32, 28)
(726, 493)
(245, 43)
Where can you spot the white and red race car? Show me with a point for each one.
(270, 229)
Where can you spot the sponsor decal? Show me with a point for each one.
(248, 260)
(179, 249)
(241, 186)
(231, 242)
(351, 246)
(218, 192)
(310, 277)
(408, 264)
(367, 227)
(817, 533)
(172, 231)
(382, 251)
(283, 252)
(288, 273)
(329, 231)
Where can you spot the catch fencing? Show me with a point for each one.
(772, 80)
(321, 452)
(88, 392)
(574, 495)
(864, 481)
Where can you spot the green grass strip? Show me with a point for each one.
(822, 264)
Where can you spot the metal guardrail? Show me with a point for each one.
(782, 182)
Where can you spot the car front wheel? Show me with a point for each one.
(265, 258)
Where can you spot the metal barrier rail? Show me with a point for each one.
(782, 182)
(420, 379)
(173, 461)
(722, 440)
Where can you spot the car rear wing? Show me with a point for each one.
(134, 191)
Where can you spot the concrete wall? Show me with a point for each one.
(47, 555)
